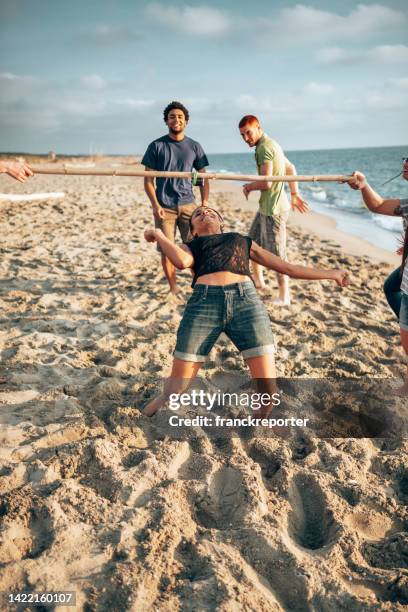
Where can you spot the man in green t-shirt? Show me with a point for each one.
(269, 226)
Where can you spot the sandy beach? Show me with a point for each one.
(94, 499)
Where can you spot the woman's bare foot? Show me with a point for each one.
(148, 411)
(153, 406)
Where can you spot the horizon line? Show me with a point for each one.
(101, 154)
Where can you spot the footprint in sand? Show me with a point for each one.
(302, 448)
(224, 504)
(196, 467)
(40, 526)
(350, 494)
(311, 522)
(27, 530)
(371, 525)
(390, 553)
(268, 459)
(402, 485)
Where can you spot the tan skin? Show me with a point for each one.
(17, 170)
(176, 123)
(251, 134)
(205, 222)
(383, 206)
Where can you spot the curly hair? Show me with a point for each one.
(175, 105)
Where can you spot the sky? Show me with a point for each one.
(94, 76)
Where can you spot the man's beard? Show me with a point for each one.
(175, 130)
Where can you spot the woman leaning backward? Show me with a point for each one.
(224, 300)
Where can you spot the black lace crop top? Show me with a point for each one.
(220, 252)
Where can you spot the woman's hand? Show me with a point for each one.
(358, 181)
(341, 277)
(150, 235)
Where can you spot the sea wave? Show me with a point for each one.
(332, 198)
(337, 200)
(224, 171)
(318, 193)
(388, 223)
(332, 201)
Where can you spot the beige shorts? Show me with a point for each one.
(173, 218)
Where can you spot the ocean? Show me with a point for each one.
(335, 200)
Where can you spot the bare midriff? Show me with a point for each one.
(222, 278)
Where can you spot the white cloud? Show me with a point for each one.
(246, 101)
(312, 97)
(380, 54)
(334, 55)
(135, 103)
(322, 100)
(15, 87)
(27, 101)
(193, 20)
(8, 76)
(104, 34)
(318, 89)
(401, 83)
(385, 100)
(93, 81)
(81, 108)
(389, 53)
(310, 113)
(306, 24)
(391, 95)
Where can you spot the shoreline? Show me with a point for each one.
(321, 225)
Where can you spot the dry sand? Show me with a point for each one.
(94, 500)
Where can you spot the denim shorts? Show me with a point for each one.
(233, 309)
(403, 313)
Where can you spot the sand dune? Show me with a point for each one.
(95, 499)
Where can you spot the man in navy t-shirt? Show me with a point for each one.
(172, 199)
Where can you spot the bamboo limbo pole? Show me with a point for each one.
(195, 175)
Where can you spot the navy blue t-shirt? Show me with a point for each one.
(172, 155)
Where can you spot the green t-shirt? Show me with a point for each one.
(273, 201)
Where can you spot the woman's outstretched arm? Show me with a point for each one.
(373, 201)
(181, 257)
(267, 259)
